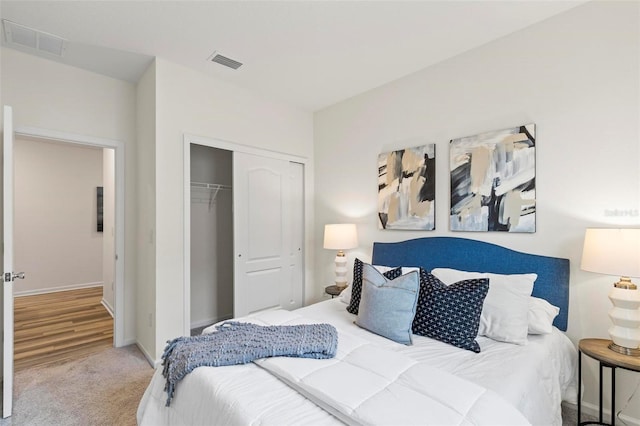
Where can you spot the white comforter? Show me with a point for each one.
(366, 384)
(532, 378)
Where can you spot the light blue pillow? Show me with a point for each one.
(387, 307)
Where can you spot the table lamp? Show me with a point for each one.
(340, 236)
(617, 252)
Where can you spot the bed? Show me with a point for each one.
(375, 380)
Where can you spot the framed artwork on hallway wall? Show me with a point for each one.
(493, 181)
(406, 188)
(99, 208)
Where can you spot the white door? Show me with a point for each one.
(9, 275)
(261, 232)
(294, 290)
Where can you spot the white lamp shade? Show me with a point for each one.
(340, 236)
(612, 251)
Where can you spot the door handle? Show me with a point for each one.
(12, 276)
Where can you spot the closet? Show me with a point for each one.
(211, 235)
(246, 233)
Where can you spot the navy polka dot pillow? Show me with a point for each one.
(450, 313)
(356, 286)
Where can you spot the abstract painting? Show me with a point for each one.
(493, 181)
(406, 189)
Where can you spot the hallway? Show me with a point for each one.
(58, 327)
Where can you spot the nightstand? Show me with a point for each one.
(598, 350)
(333, 290)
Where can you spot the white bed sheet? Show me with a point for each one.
(534, 378)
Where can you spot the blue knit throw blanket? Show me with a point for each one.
(239, 343)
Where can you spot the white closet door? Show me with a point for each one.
(262, 239)
(293, 292)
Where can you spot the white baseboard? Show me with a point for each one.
(153, 362)
(108, 307)
(593, 410)
(56, 289)
(209, 321)
(128, 342)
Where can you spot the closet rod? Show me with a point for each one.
(205, 185)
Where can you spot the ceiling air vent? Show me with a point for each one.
(21, 36)
(223, 60)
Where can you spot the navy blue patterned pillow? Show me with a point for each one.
(450, 313)
(356, 286)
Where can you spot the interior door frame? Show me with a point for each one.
(119, 184)
(189, 139)
(7, 285)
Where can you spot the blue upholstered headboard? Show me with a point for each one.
(552, 283)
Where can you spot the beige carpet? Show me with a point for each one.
(102, 389)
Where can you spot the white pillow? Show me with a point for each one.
(505, 313)
(345, 296)
(541, 316)
(405, 269)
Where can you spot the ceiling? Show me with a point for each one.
(310, 54)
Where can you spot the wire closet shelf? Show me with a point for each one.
(203, 192)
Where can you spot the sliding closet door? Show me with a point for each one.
(262, 235)
(293, 291)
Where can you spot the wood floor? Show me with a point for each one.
(58, 327)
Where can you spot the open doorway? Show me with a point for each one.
(65, 237)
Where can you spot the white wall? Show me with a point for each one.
(55, 237)
(53, 96)
(146, 220)
(189, 101)
(211, 237)
(577, 77)
(108, 228)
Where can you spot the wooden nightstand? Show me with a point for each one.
(598, 349)
(333, 290)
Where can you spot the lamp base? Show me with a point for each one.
(625, 316)
(624, 351)
(341, 270)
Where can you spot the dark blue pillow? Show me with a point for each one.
(356, 286)
(450, 313)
